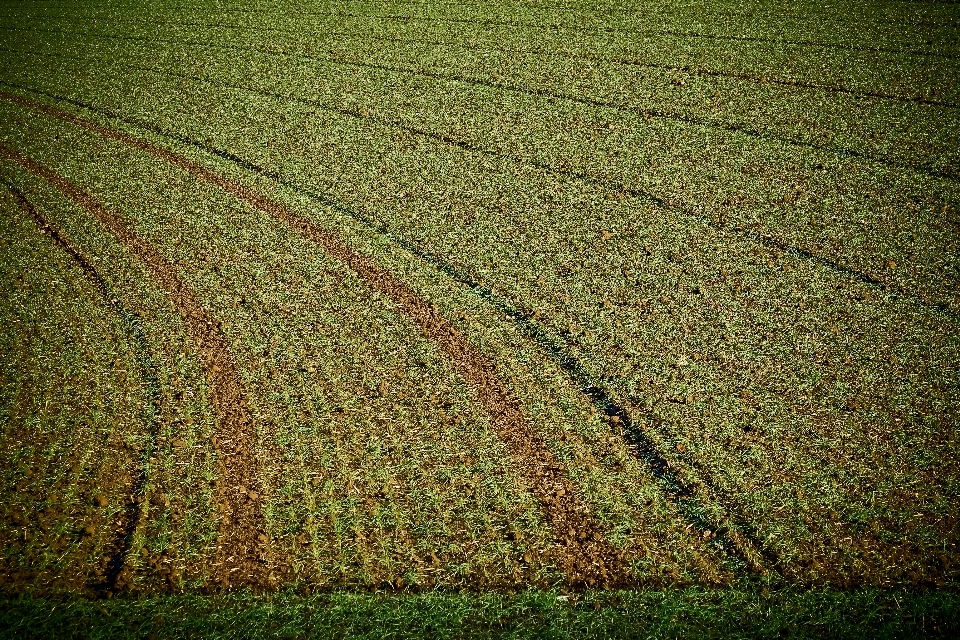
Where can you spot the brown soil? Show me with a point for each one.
(241, 548)
(587, 558)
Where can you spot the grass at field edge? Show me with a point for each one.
(690, 612)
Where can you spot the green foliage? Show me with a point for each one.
(690, 613)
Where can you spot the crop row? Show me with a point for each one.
(858, 29)
(754, 373)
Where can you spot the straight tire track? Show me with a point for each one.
(242, 543)
(587, 558)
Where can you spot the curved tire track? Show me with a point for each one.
(645, 112)
(241, 544)
(742, 233)
(533, 26)
(734, 538)
(115, 578)
(587, 558)
(570, 7)
(622, 10)
(738, 539)
(616, 60)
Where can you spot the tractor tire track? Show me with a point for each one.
(587, 559)
(115, 578)
(616, 60)
(484, 22)
(665, 204)
(645, 112)
(662, 203)
(626, 11)
(734, 538)
(783, 82)
(241, 544)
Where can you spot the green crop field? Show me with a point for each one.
(487, 318)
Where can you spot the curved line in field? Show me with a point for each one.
(587, 558)
(240, 550)
(739, 539)
(133, 325)
(784, 82)
(612, 186)
(533, 26)
(615, 60)
(620, 10)
(653, 113)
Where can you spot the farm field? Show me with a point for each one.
(489, 300)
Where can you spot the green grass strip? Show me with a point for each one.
(693, 612)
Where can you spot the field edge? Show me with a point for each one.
(746, 611)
